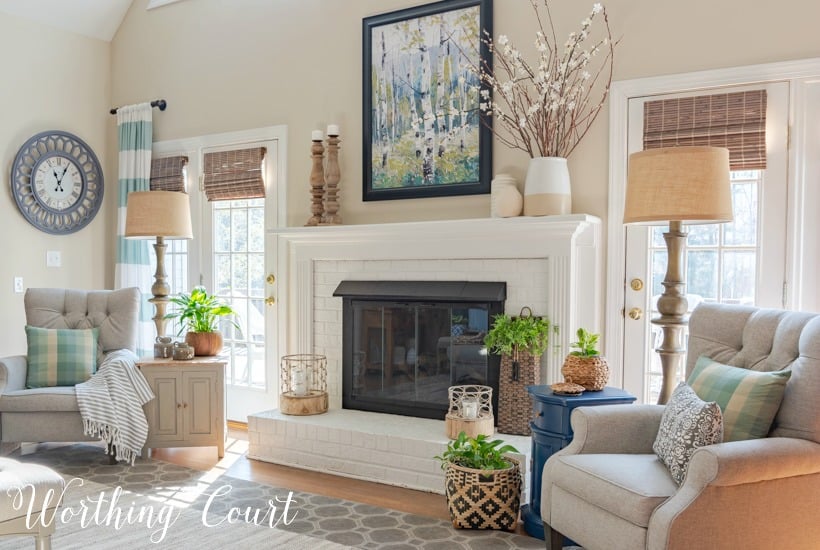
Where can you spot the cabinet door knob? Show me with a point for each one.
(179, 405)
(185, 405)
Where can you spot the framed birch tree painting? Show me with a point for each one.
(423, 131)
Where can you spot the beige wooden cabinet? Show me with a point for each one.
(189, 408)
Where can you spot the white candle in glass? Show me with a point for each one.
(469, 407)
(298, 381)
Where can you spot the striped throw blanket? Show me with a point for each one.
(111, 404)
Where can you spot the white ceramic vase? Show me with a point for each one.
(506, 200)
(547, 190)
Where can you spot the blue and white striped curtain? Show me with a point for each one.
(133, 267)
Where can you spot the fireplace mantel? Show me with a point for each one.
(569, 245)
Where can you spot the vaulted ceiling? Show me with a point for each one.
(93, 18)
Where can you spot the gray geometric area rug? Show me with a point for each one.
(214, 510)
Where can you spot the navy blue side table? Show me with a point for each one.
(551, 432)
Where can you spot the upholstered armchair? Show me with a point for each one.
(607, 490)
(51, 413)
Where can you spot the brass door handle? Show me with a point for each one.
(636, 284)
(270, 300)
(635, 313)
(270, 279)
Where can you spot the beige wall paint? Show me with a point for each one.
(248, 63)
(52, 80)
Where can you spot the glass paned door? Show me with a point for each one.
(239, 276)
(742, 262)
(239, 264)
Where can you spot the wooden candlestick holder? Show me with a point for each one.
(332, 177)
(317, 183)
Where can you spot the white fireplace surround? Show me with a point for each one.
(552, 264)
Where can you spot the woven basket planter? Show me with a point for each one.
(483, 499)
(514, 406)
(590, 372)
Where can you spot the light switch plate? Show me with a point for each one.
(18, 285)
(54, 258)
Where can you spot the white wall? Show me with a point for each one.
(52, 80)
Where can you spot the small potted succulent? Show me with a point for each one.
(483, 487)
(199, 314)
(586, 366)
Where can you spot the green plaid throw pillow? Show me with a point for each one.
(748, 399)
(60, 357)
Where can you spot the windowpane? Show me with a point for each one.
(702, 273)
(703, 235)
(222, 274)
(257, 274)
(657, 236)
(239, 230)
(239, 275)
(222, 230)
(256, 240)
(658, 271)
(743, 230)
(739, 276)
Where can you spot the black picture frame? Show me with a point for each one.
(401, 158)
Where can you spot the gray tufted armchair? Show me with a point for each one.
(608, 491)
(52, 414)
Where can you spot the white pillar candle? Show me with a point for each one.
(317, 135)
(469, 407)
(333, 129)
(298, 381)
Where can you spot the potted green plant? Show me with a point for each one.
(586, 366)
(199, 314)
(483, 487)
(521, 341)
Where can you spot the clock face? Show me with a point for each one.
(57, 182)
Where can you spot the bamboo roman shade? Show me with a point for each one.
(735, 120)
(237, 174)
(168, 174)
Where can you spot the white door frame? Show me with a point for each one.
(798, 274)
(275, 218)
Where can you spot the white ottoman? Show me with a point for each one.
(48, 490)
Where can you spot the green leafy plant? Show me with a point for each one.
(586, 344)
(199, 311)
(477, 453)
(509, 335)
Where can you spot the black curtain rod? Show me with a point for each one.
(160, 103)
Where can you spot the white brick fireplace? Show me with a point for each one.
(551, 264)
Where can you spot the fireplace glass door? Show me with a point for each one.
(406, 355)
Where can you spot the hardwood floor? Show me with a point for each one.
(235, 463)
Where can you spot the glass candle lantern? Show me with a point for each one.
(471, 411)
(303, 374)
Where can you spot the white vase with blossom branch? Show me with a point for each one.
(546, 108)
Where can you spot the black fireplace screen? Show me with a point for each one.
(401, 356)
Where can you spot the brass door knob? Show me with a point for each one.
(635, 313)
(270, 300)
(270, 279)
(636, 284)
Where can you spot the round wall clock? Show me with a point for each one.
(57, 182)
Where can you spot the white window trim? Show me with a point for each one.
(799, 270)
